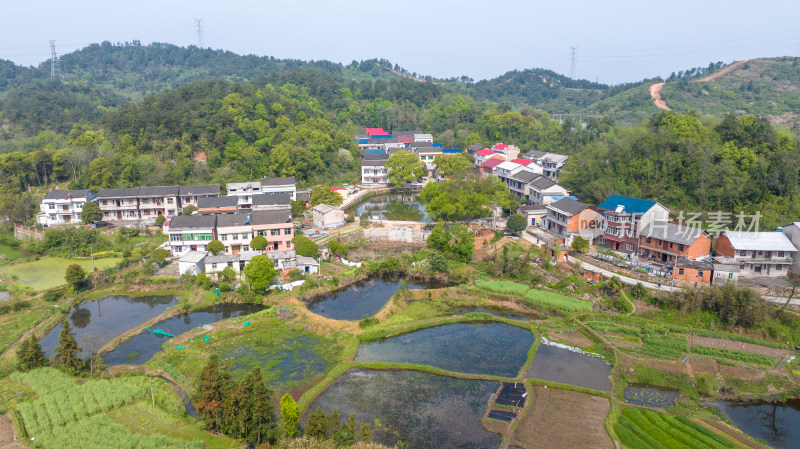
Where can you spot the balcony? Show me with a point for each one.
(776, 260)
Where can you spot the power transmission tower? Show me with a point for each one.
(572, 61)
(199, 27)
(55, 65)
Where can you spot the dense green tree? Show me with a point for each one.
(215, 247)
(404, 166)
(324, 195)
(516, 223)
(438, 262)
(465, 200)
(455, 166)
(458, 241)
(160, 220)
(298, 208)
(213, 388)
(190, 209)
(65, 356)
(75, 275)
(228, 274)
(318, 425)
(290, 415)
(260, 272)
(30, 355)
(91, 212)
(258, 243)
(305, 246)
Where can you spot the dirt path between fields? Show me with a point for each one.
(655, 94)
(731, 432)
(724, 71)
(7, 434)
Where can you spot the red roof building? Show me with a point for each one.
(376, 132)
(522, 161)
(487, 167)
(405, 139)
(500, 146)
(484, 152)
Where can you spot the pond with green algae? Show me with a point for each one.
(649, 396)
(422, 410)
(477, 348)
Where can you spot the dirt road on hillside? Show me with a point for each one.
(655, 94)
(725, 70)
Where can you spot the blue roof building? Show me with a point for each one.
(623, 219)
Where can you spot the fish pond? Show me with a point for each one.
(477, 348)
(422, 410)
(558, 364)
(649, 396)
(95, 323)
(393, 206)
(363, 298)
(778, 424)
(142, 347)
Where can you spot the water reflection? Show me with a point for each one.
(777, 423)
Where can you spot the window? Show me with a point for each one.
(245, 236)
(51, 206)
(170, 200)
(629, 246)
(778, 267)
(145, 200)
(743, 253)
(717, 274)
(680, 247)
(262, 233)
(780, 253)
(730, 275)
(680, 271)
(275, 232)
(175, 237)
(234, 236)
(648, 240)
(213, 266)
(699, 273)
(287, 231)
(178, 248)
(223, 237)
(245, 248)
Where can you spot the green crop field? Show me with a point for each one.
(558, 301)
(9, 253)
(507, 287)
(643, 429)
(49, 272)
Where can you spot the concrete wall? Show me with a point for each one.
(406, 235)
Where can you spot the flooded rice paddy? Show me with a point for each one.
(142, 347)
(558, 364)
(95, 323)
(420, 410)
(481, 348)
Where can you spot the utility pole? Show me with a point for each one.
(198, 23)
(572, 61)
(55, 65)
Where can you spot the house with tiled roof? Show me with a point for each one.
(373, 169)
(474, 148)
(235, 231)
(158, 200)
(543, 191)
(218, 205)
(487, 167)
(189, 195)
(485, 154)
(63, 206)
(757, 253)
(623, 219)
(119, 204)
(792, 232)
(569, 218)
(664, 242)
(190, 233)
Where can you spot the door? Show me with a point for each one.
(119, 215)
(235, 249)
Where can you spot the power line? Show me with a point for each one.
(572, 61)
(55, 65)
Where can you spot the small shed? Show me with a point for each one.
(326, 216)
(307, 265)
(193, 262)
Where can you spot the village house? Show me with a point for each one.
(276, 201)
(286, 185)
(534, 213)
(276, 226)
(698, 271)
(218, 205)
(214, 264)
(326, 216)
(552, 163)
(486, 154)
(474, 148)
(569, 218)
(158, 200)
(543, 191)
(487, 167)
(623, 219)
(373, 169)
(244, 192)
(511, 151)
(662, 242)
(792, 232)
(63, 206)
(190, 233)
(235, 231)
(119, 204)
(519, 183)
(190, 195)
(192, 263)
(757, 253)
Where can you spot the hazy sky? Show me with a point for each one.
(616, 40)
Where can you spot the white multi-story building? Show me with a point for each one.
(190, 233)
(244, 191)
(373, 169)
(189, 195)
(63, 206)
(280, 185)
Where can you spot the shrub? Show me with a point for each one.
(224, 287)
(438, 262)
(367, 321)
(349, 218)
(215, 247)
(75, 275)
(337, 248)
(516, 223)
(305, 247)
(189, 210)
(160, 220)
(159, 255)
(54, 294)
(258, 243)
